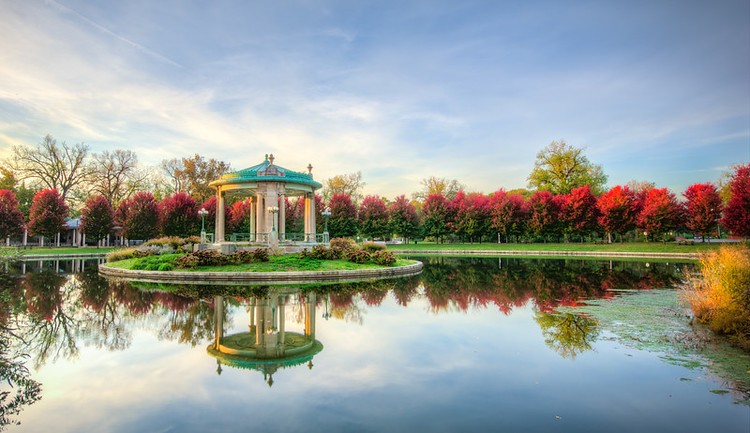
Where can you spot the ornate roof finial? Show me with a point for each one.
(309, 169)
(266, 157)
(271, 158)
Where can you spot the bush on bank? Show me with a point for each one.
(720, 296)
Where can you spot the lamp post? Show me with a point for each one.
(203, 212)
(326, 214)
(273, 210)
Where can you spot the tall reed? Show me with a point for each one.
(720, 296)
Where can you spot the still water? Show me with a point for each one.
(465, 346)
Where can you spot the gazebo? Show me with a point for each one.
(267, 184)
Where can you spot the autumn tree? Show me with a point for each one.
(7, 179)
(373, 217)
(239, 216)
(617, 211)
(11, 218)
(436, 214)
(343, 220)
(116, 176)
(97, 217)
(179, 215)
(737, 210)
(703, 208)
(661, 213)
(192, 175)
(580, 212)
(346, 184)
(47, 214)
(507, 214)
(138, 216)
(402, 218)
(448, 188)
(54, 166)
(544, 214)
(471, 215)
(559, 168)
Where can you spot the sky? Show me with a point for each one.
(655, 91)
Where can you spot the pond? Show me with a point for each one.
(471, 344)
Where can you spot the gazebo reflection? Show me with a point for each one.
(268, 345)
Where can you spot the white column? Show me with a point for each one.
(25, 236)
(219, 226)
(307, 218)
(282, 217)
(253, 228)
(260, 213)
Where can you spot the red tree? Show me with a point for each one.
(373, 217)
(580, 212)
(11, 218)
(737, 210)
(507, 213)
(472, 215)
(402, 218)
(661, 213)
(703, 208)
(138, 216)
(47, 214)
(436, 216)
(544, 214)
(238, 218)
(343, 220)
(97, 217)
(179, 215)
(618, 211)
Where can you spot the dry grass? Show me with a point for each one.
(720, 296)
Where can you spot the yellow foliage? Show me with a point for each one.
(720, 297)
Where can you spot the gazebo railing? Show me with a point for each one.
(265, 238)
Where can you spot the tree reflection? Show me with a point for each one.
(566, 333)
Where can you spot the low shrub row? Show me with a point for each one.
(347, 249)
(155, 247)
(216, 258)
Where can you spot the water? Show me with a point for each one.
(466, 346)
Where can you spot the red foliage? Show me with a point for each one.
(472, 215)
(97, 217)
(544, 214)
(703, 208)
(373, 217)
(138, 216)
(737, 210)
(11, 218)
(47, 214)
(660, 214)
(402, 217)
(238, 219)
(580, 212)
(210, 206)
(343, 220)
(507, 213)
(618, 210)
(179, 215)
(436, 216)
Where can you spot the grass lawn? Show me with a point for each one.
(286, 263)
(44, 251)
(630, 247)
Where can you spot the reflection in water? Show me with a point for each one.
(567, 334)
(49, 308)
(268, 345)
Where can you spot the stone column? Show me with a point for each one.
(282, 320)
(307, 217)
(259, 215)
(25, 236)
(312, 215)
(252, 219)
(310, 316)
(219, 226)
(218, 320)
(282, 217)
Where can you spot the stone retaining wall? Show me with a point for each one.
(603, 254)
(263, 278)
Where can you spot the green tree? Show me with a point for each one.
(567, 334)
(559, 168)
(192, 175)
(343, 220)
(402, 217)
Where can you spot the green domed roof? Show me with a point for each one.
(267, 171)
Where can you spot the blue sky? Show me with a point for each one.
(400, 90)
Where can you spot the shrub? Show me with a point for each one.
(320, 252)
(358, 256)
(260, 255)
(116, 256)
(371, 247)
(343, 246)
(384, 258)
(188, 261)
(154, 263)
(211, 258)
(720, 297)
